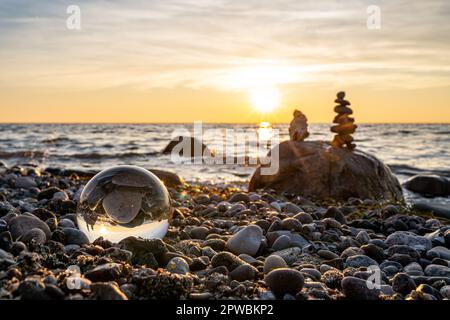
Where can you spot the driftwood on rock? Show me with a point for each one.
(314, 169)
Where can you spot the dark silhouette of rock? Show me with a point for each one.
(438, 210)
(430, 185)
(169, 179)
(298, 129)
(345, 124)
(314, 170)
(189, 147)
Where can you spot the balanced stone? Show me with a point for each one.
(345, 125)
(298, 129)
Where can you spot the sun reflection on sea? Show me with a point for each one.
(265, 131)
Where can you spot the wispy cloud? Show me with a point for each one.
(213, 43)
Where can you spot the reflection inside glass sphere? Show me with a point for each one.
(124, 201)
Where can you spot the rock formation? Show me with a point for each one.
(345, 124)
(188, 147)
(429, 185)
(298, 129)
(312, 169)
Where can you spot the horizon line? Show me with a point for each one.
(204, 122)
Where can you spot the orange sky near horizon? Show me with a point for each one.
(183, 61)
(212, 106)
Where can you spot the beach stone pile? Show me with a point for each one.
(223, 243)
(345, 124)
(298, 128)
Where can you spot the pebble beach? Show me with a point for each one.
(223, 243)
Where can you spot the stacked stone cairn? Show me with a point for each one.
(345, 124)
(298, 129)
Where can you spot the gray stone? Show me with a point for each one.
(363, 237)
(351, 251)
(20, 225)
(435, 270)
(439, 210)
(304, 217)
(445, 291)
(413, 269)
(105, 272)
(25, 183)
(327, 254)
(410, 239)
(66, 223)
(441, 252)
(5, 255)
(237, 197)
(107, 291)
(360, 261)
(34, 235)
(291, 208)
(282, 242)
(243, 272)
(291, 224)
(296, 239)
(273, 262)
(357, 289)
(311, 273)
(178, 265)
(61, 195)
(433, 185)
(247, 240)
(74, 236)
(284, 280)
(228, 260)
(402, 283)
(199, 232)
(290, 255)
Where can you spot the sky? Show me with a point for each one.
(201, 60)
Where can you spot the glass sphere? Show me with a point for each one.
(124, 201)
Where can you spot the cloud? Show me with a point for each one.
(213, 43)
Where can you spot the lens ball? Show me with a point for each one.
(124, 201)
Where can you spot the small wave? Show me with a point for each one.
(55, 140)
(411, 171)
(96, 156)
(443, 133)
(23, 154)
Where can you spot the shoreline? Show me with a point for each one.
(326, 248)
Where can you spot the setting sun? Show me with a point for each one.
(265, 99)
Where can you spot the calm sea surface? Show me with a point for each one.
(407, 148)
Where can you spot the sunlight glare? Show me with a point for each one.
(265, 99)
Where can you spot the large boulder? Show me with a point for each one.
(431, 185)
(316, 170)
